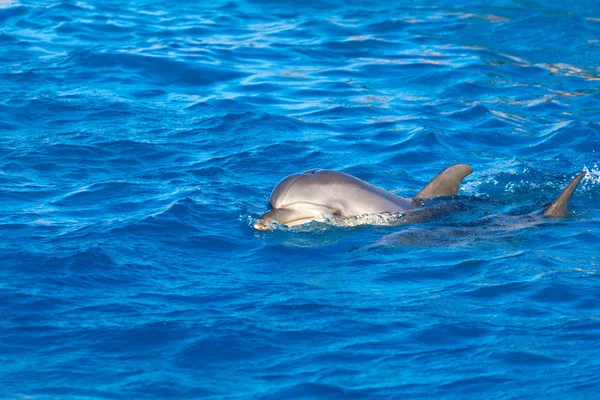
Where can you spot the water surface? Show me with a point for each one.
(140, 140)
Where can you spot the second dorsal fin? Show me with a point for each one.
(560, 206)
(446, 182)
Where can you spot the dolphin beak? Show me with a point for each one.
(261, 225)
(289, 217)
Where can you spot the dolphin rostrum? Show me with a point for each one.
(301, 198)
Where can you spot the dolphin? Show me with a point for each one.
(493, 227)
(305, 197)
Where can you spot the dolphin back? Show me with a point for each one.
(445, 183)
(560, 207)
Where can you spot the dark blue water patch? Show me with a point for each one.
(135, 341)
(555, 294)
(225, 349)
(472, 113)
(562, 132)
(508, 289)
(11, 12)
(445, 335)
(159, 70)
(528, 359)
(97, 195)
(434, 273)
(146, 152)
(92, 259)
(311, 390)
(149, 93)
(479, 384)
(527, 311)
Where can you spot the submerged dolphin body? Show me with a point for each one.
(301, 198)
(493, 227)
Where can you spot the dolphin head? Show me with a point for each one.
(298, 199)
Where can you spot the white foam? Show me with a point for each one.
(592, 177)
(384, 219)
(472, 187)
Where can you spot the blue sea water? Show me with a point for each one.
(140, 141)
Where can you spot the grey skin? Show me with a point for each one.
(301, 198)
(560, 207)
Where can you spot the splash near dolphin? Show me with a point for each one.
(313, 195)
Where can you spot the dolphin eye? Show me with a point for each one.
(311, 172)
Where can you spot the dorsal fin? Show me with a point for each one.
(446, 182)
(560, 206)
